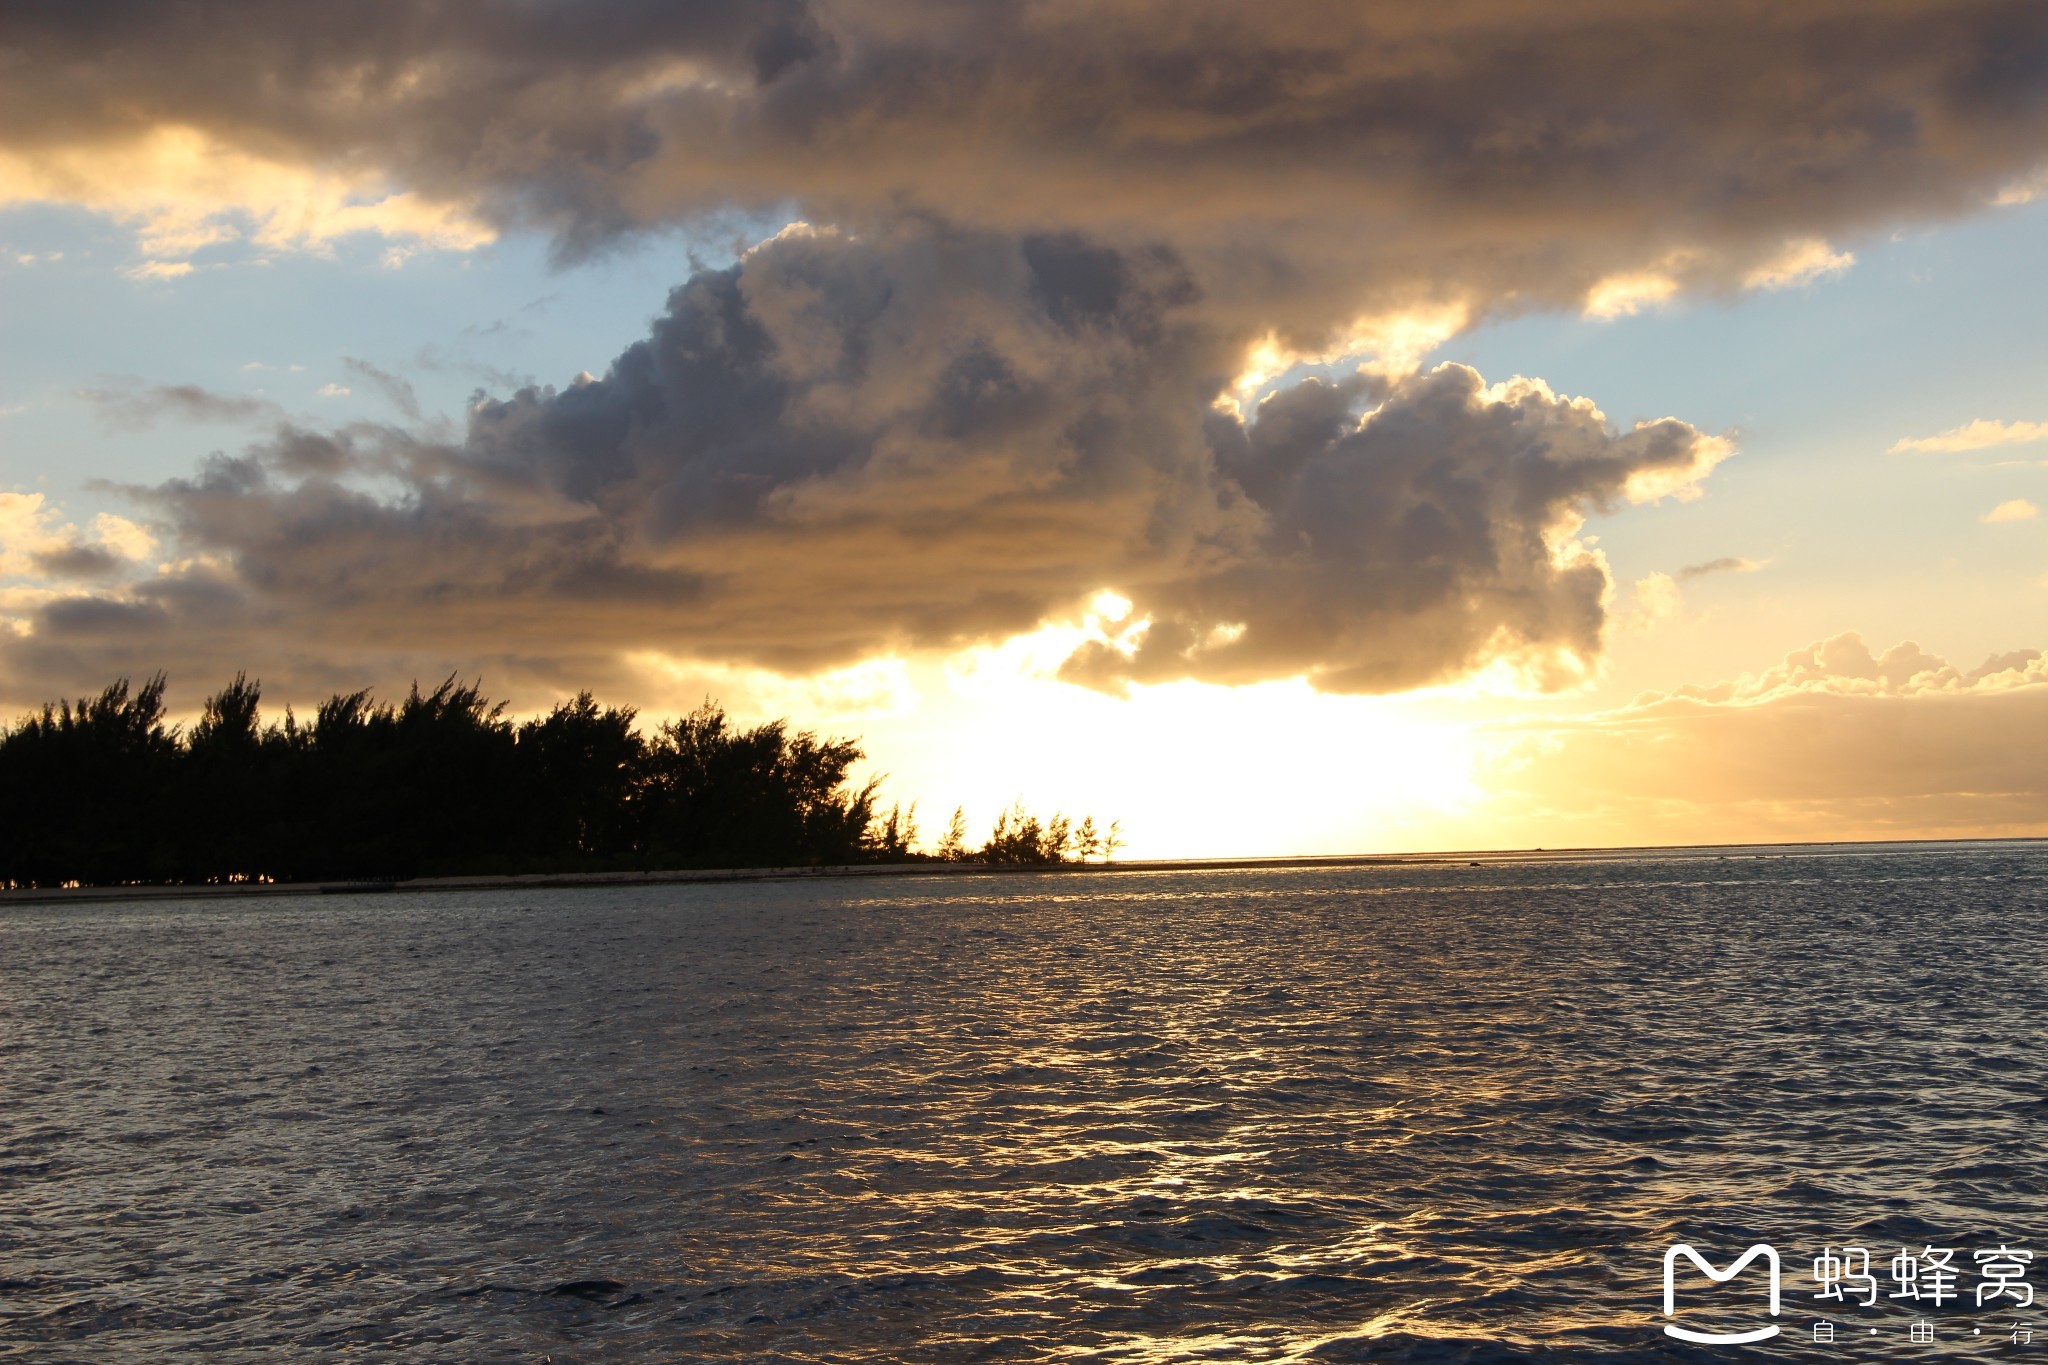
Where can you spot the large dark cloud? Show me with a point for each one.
(992, 386)
(1409, 547)
(1309, 160)
(921, 438)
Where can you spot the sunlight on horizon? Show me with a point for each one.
(1190, 769)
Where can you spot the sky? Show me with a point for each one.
(1282, 430)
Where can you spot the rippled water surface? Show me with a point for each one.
(1410, 1112)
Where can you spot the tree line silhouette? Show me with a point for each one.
(103, 791)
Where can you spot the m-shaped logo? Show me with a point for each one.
(1672, 1329)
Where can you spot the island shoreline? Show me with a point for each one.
(931, 868)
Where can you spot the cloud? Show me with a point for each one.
(2023, 189)
(122, 536)
(135, 408)
(158, 270)
(1629, 292)
(1657, 601)
(1801, 262)
(865, 691)
(1051, 245)
(2016, 509)
(396, 391)
(35, 543)
(1725, 564)
(1844, 665)
(850, 446)
(1324, 163)
(185, 188)
(1977, 435)
(1620, 296)
(1428, 538)
(77, 560)
(435, 360)
(1834, 742)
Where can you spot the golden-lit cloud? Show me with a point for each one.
(122, 536)
(1801, 262)
(1620, 296)
(1835, 742)
(37, 543)
(1797, 262)
(1978, 435)
(158, 270)
(2014, 509)
(183, 189)
(857, 694)
(1388, 345)
(2023, 189)
(1657, 598)
(1657, 602)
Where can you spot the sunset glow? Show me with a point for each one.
(1388, 496)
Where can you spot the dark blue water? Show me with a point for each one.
(1433, 1112)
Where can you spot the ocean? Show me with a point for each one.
(1438, 1111)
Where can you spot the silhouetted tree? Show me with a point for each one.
(84, 790)
(893, 837)
(716, 795)
(580, 770)
(953, 845)
(101, 791)
(1021, 837)
(228, 787)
